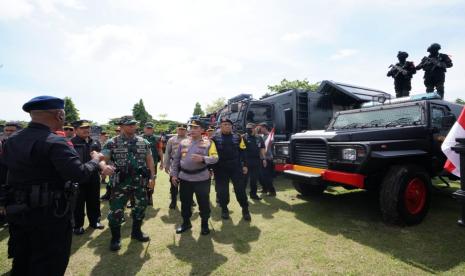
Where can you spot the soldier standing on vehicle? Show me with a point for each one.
(132, 157)
(402, 73)
(171, 146)
(38, 197)
(231, 166)
(189, 170)
(435, 66)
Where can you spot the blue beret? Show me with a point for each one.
(44, 103)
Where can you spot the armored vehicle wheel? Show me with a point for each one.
(311, 188)
(405, 195)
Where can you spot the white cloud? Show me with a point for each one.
(52, 6)
(344, 53)
(15, 9)
(107, 43)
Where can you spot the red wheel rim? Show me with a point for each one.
(415, 196)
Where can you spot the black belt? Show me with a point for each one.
(193, 171)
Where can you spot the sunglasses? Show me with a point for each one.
(68, 129)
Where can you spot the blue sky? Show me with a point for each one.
(108, 54)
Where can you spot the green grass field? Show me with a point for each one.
(338, 233)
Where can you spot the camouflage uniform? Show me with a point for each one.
(129, 157)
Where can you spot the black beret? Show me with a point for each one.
(44, 103)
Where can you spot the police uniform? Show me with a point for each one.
(89, 192)
(194, 177)
(231, 160)
(254, 144)
(37, 197)
(171, 148)
(128, 155)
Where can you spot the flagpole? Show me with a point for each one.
(460, 194)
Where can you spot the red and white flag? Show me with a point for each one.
(269, 139)
(453, 159)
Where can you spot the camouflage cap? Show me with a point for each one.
(148, 125)
(13, 123)
(182, 126)
(128, 120)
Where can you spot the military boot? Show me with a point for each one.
(149, 197)
(137, 232)
(204, 227)
(115, 243)
(246, 214)
(186, 225)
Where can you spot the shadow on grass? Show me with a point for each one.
(112, 263)
(4, 234)
(239, 236)
(199, 253)
(436, 245)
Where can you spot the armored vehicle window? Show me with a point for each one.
(387, 117)
(436, 116)
(259, 113)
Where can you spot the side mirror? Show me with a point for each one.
(448, 121)
(234, 107)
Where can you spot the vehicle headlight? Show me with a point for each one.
(349, 154)
(281, 150)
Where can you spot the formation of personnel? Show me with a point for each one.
(50, 174)
(435, 66)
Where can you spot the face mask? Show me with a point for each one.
(249, 131)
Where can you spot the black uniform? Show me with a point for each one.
(435, 69)
(3, 173)
(253, 144)
(39, 163)
(89, 192)
(229, 167)
(402, 73)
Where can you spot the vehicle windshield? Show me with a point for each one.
(388, 117)
(259, 114)
(233, 116)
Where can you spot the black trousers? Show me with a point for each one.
(201, 189)
(402, 87)
(173, 191)
(88, 198)
(40, 249)
(231, 173)
(266, 176)
(435, 80)
(253, 175)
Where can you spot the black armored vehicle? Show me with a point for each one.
(391, 148)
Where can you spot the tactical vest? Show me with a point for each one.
(219, 143)
(129, 153)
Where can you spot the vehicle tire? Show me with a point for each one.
(405, 195)
(310, 188)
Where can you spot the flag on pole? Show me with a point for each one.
(269, 140)
(453, 159)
